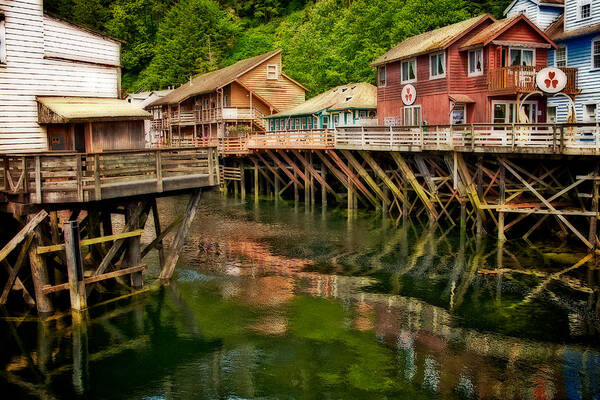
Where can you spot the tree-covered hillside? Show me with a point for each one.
(325, 43)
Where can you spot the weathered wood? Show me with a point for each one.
(94, 279)
(74, 266)
(160, 237)
(313, 172)
(88, 242)
(365, 176)
(14, 271)
(408, 174)
(382, 175)
(169, 267)
(284, 168)
(133, 252)
(39, 273)
(501, 201)
(355, 180)
(158, 242)
(19, 237)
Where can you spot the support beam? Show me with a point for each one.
(352, 177)
(39, 275)
(74, 266)
(382, 175)
(284, 168)
(408, 174)
(314, 173)
(365, 176)
(158, 232)
(133, 252)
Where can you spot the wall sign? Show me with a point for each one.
(551, 80)
(409, 95)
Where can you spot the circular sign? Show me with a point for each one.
(409, 95)
(551, 80)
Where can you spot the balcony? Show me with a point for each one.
(521, 79)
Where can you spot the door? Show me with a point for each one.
(79, 138)
(325, 122)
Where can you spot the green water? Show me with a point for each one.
(282, 302)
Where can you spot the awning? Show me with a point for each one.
(460, 98)
(62, 110)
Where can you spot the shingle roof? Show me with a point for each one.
(437, 39)
(556, 31)
(84, 109)
(211, 81)
(361, 95)
(494, 30)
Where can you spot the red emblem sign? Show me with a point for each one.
(551, 80)
(409, 95)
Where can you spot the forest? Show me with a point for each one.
(324, 43)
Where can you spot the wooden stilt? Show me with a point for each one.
(158, 231)
(39, 275)
(311, 169)
(501, 201)
(593, 232)
(74, 266)
(243, 180)
(255, 181)
(133, 252)
(190, 213)
(323, 187)
(296, 184)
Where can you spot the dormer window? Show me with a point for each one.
(348, 98)
(272, 72)
(585, 9)
(437, 64)
(381, 72)
(2, 40)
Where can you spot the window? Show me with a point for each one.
(459, 115)
(336, 120)
(2, 40)
(551, 114)
(362, 114)
(561, 57)
(412, 116)
(596, 53)
(297, 124)
(589, 113)
(476, 62)
(409, 71)
(521, 57)
(585, 9)
(382, 76)
(437, 65)
(272, 72)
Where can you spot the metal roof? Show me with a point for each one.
(427, 42)
(86, 109)
(361, 95)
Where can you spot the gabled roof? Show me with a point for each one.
(549, 3)
(556, 31)
(85, 109)
(491, 32)
(438, 39)
(211, 81)
(83, 28)
(361, 95)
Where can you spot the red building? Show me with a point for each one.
(474, 71)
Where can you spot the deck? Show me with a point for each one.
(51, 178)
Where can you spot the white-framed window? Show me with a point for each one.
(382, 76)
(524, 57)
(412, 115)
(297, 124)
(459, 114)
(560, 57)
(335, 120)
(437, 65)
(596, 53)
(409, 71)
(2, 40)
(476, 62)
(584, 9)
(589, 112)
(272, 72)
(551, 114)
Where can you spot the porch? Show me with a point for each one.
(521, 79)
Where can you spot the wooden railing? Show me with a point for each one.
(521, 79)
(200, 116)
(80, 177)
(301, 139)
(233, 145)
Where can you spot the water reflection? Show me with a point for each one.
(275, 302)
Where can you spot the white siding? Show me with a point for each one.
(28, 73)
(541, 15)
(572, 21)
(547, 15)
(527, 7)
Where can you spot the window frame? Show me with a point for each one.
(411, 109)
(476, 73)
(585, 114)
(548, 107)
(464, 109)
(521, 49)
(566, 57)
(384, 69)
(595, 67)
(408, 61)
(3, 56)
(580, 5)
(437, 55)
(269, 73)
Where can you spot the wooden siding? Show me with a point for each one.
(542, 16)
(579, 56)
(281, 93)
(521, 32)
(572, 21)
(28, 74)
(119, 135)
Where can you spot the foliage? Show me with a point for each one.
(325, 43)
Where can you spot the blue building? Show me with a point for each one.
(576, 31)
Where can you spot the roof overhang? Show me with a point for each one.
(460, 98)
(510, 43)
(64, 110)
(536, 2)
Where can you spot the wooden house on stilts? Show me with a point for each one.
(228, 102)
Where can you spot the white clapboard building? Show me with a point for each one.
(42, 56)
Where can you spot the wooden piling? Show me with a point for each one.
(243, 180)
(74, 266)
(501, 201)
(39, 275)
(323, 188)
(133, 256)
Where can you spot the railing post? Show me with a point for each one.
(513, 138)
(97, 183)
(554, 147)
(421, 136)
(159, 177)
(562, 139)
(79, 177)
(472, 136)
